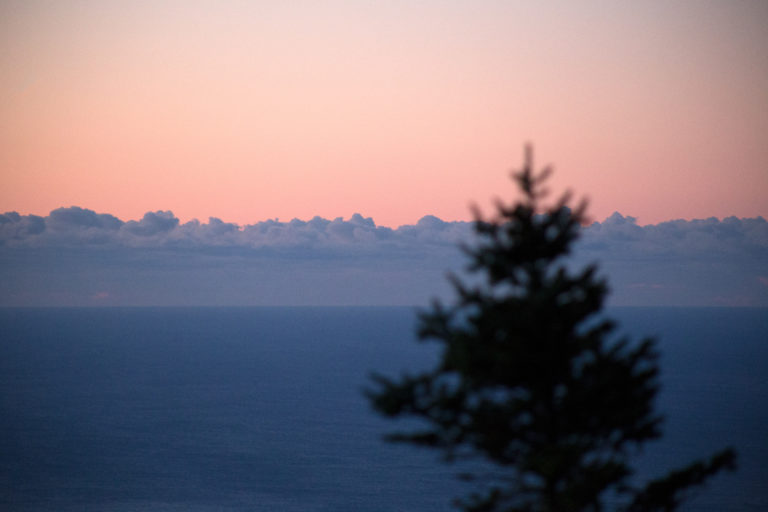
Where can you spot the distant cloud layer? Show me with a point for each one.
(76, 226)
(75, 256)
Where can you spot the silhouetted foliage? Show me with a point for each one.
(529, 379)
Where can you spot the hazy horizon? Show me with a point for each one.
(75, 256)
(469, 218)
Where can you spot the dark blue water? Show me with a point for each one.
(260, 409)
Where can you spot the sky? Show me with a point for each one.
(248, 111)
(328, 152)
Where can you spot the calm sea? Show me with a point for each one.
(260, 409)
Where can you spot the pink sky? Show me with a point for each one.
(249, 110)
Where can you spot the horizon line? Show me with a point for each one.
(356, 216)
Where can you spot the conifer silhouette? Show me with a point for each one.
(531, 377)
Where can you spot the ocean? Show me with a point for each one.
(261, 409)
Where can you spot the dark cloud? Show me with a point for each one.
(152, 223)
(75, 225)
(709, 239)
(679, 262)
(75, 217)
(15, 227)
(76, 256)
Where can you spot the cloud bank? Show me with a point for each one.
(78, 257)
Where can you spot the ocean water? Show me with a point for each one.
(261, 409)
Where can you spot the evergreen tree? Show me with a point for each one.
(532, 379)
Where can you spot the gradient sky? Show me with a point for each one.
(249, 110)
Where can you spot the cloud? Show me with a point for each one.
(161, 229)
(698, 239)
(152, 223)
(14, 227)
(75, 217)
(679, 262)
(76, 256)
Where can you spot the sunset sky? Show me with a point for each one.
(248, 110)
